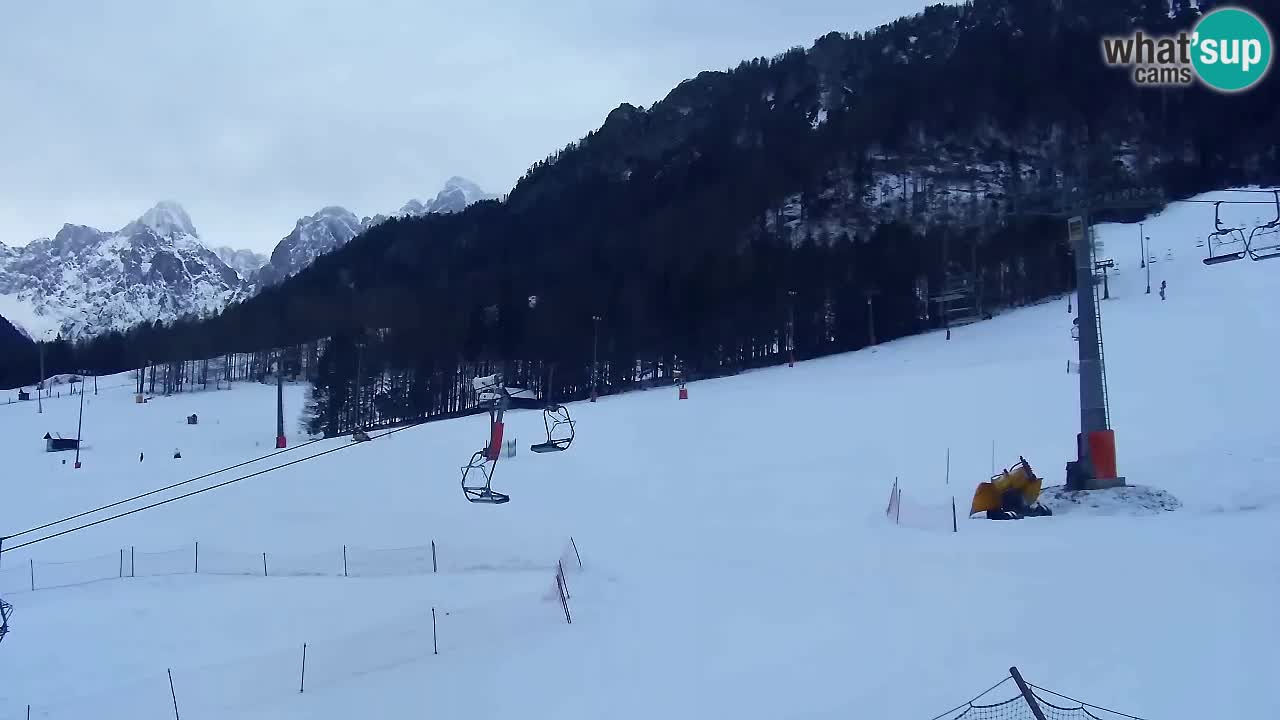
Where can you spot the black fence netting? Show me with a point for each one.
(1005, 701)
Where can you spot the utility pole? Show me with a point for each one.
(280, 439)
(40, 387)
(1146, 248)
(359, 374)
(595, 361)
(80, 422)
(871, 315)
(1142, 247)
(791, 328)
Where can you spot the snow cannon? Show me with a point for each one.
(488, 389)
(1010, 495)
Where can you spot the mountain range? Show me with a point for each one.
(84, 281)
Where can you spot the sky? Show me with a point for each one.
(252, 114)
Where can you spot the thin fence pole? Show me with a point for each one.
(133, 565)
(897, 508)
(121, 562)
(1026, 694)
(955, 527)
(197, 557)
(948, 480)
(175, 695)
(435, 642)
(303, 686)
(344, 561)
(433, 556)
(564, 601)
(563, 579)
(264, 564)
(575, 551)
(32, 564)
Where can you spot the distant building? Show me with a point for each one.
(23, 395)
(58, 444)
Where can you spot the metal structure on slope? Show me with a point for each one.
(1232, 237)
(556, 420)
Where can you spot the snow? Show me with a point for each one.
(168, 218)
(738, 562)
(23, 316)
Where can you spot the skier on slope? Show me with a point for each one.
(1163, 285)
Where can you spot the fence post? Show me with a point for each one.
(344, 561)
(435, 643)
(133, 566)
(1026, 694)
(173, 694)
(564, 600)
(575, 551)
(563, 579)
(303, 686)
(121, 562)
(954, 526)
(433, 556)
(197, 557)
(264, 564)
(32, 564)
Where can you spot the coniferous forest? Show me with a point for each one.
(817, 200)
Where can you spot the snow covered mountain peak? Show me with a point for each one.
(84, 281)
(457, 194)
(167, 219)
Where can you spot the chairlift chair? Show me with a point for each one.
(481, 467)
(1266, 233)
(484, 463)
(559, 430)
(1233, 235)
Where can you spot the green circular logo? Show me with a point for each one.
(1231, 49)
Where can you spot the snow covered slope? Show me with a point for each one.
(737, 559)
(84, 281)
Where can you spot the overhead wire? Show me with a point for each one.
(194, 492)
(158, 490)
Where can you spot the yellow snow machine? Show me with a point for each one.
(1011, 495)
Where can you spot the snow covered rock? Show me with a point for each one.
(84, 281)
(333, 227)
(312, 236)
(457, 194)
(245, 262)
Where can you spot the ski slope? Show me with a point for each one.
(737, 561)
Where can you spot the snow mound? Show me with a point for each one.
(1132, 500)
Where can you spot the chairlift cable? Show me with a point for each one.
(159, 490)
(197, 492)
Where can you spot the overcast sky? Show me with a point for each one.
(252, 113)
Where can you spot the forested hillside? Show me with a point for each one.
(841, 185)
